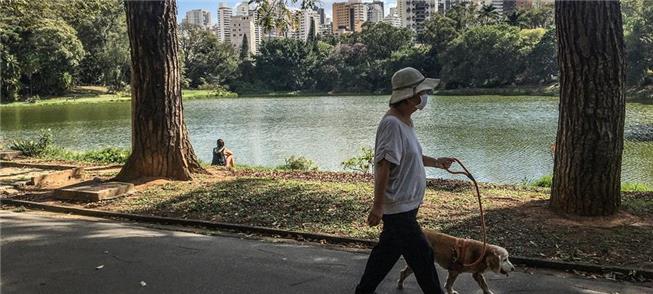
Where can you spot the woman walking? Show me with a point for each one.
(399, 185)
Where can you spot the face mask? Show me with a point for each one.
(423, 99)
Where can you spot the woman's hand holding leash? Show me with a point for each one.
(444, 162)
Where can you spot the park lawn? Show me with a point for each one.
(336, 203)
(101, 95)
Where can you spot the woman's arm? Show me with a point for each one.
(381, 176)
(442, 162)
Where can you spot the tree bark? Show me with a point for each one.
(589, 144)
(160, 144)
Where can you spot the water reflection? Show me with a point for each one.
(501, 139)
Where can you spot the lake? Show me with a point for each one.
(502, 139)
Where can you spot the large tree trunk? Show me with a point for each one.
(589, 145)
(160, 144)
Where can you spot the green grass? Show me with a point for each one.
(99, 97)
(635, 187)
(547, 181)
(303, 93)
(507, 91)
(191, 94)
(544, 181)
(101, 156)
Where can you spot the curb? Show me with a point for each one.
(527, 261)
(189, 222)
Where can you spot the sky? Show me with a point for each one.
(212, 6)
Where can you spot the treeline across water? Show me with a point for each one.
(48, 47)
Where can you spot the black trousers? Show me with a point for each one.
(401, 235)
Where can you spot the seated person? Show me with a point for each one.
(222, 156)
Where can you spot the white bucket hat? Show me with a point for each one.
(407, 82)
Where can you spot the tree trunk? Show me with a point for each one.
(160, 144)
(589, 144)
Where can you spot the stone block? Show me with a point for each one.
(58, 178)
(9, 155)
(94, 191)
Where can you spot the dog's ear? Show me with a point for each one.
(492, 261)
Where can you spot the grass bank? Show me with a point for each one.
(552, 90)
(337, 203)
(302, 93)
(101, 95)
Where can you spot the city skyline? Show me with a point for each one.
(184, 6)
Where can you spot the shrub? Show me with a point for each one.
(33, 148)
(545, 181)
(33, 99)
(360, 163)
(106, 155)
(635, 187)
(299, 163)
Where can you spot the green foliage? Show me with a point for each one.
(638, 38)
(465, 16)
(465, 67)
(635, 187)
(106, 155)
(488, 15)
(360, 163)
(244, 48)
(206, 60)
(541, 63)
(440, 31)
(547, 182)
(382, 39)
(541, 17)
(101, 156)
(299, 163)
(544, 181)
(31, 147)
(417, 57)
(46, 47)
(102, 28)
(282, 63)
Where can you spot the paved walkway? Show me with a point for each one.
(56, 253)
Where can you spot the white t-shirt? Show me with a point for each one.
(397, 143)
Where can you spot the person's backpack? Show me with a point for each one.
(218, 157)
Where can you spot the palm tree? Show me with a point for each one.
(488, 14)
(514, 18)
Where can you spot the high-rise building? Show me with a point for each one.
(327, 27)
(507, 6)
(242, 26)
(357, 15)
(198, 17)
(340, 22)
(445, 5)
(380, 3)
(320, 11)
(224, 23)
(348, 16)
(374, 11)
(393, 18)
(306, 17)
(414, 13)
(258, 32)
(242, 9)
